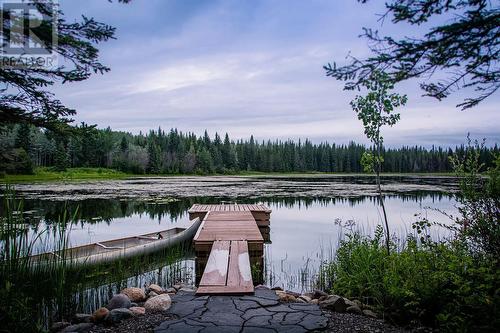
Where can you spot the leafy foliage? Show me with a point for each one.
(479, 221)
(466, 48)
(376, 110)
(452, 284)
(25, 98)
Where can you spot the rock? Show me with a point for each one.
(134, 294)
(358, 303)
(369, 313)
(305, 298)
(284, 297)
(158, 303)
(58, 326)
(334, 303)
(81, 318)
(119, 301)
(78, 328)
(187, 290)
(133, 304)
(117, 315)
(152, 294)
(354, 309)
(261, 286)
(156, 288)
(319, 293)
(276, 288)
(348, 302)
(170, 290)
(300, 300)
(138, 310)
(314, 301)
(294, 294)
(178, 286)
(322, 298)
(99, 315)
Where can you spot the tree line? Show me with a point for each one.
(24, 147)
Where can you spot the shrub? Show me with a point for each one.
(453, 284)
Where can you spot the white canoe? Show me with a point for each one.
(123, 248)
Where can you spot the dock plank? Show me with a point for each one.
(228, 235)
(215, 273)
(239, 272)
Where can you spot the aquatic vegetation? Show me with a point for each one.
(32, 294)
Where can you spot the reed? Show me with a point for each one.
(36, 291)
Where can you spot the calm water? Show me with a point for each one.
(305, 212)
(304, 231)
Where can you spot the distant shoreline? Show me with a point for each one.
(47, 175)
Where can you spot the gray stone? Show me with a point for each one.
(265, 293)
(170, 290)
(334, 303)
(188, 290)
(187, 308)
(305, 298)
(221, 329)
(369, 313)
(78, 328)
(58, 326)
(243, 305)
(119, 301)
(152, 294)
(261, 301)
(312, 322)
(260, 286)
(241, 314)
(354, 309)
(258, 312)
(319, 293)
(81, 318)
(117, 315)
(259, 329)
(348, 302)
(293, 318)
(293, 293)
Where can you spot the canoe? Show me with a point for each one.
(123, 248)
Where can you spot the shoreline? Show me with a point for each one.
(177, 308)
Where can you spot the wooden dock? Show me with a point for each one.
(228, 243)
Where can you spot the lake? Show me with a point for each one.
(306, 218)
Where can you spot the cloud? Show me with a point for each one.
(250, 67)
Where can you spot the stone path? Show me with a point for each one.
(259, 313)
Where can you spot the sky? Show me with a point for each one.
(251, 67)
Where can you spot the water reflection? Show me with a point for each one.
(303, 232)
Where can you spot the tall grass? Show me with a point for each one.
(29, 289)
(36, 290)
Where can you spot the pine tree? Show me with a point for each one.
(61, 159)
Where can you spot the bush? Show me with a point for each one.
(433, 284)
(453, 284)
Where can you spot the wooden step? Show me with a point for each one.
(228, 270)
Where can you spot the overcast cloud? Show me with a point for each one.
(249, 67)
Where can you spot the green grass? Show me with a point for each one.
(47, 174)
(75, 174)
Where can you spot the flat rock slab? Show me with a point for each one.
(259, 313)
